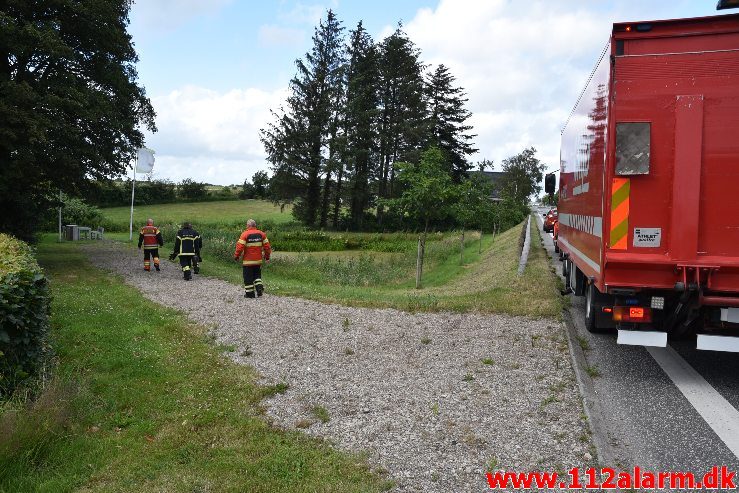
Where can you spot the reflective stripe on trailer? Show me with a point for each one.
(620, 213)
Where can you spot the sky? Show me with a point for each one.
(214, 69)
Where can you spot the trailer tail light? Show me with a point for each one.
(636, 314)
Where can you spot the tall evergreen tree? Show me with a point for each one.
(403, 112)
(361, 120)
(70, 105)
(296, 142)
(284, 141)
(446, 121)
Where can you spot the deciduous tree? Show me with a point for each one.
(70, 105)
(427, 195)
(522, 176)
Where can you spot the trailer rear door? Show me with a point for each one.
(673, 180)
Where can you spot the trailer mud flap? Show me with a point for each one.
(718, 343)
(642, 338)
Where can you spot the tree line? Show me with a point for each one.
(72, 113)
(356, 108)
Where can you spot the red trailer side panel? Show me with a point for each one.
(582, 164)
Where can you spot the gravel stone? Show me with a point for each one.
(432, 415)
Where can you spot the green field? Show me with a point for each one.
(141, 400)
(212, 213)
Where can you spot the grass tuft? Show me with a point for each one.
(583, 343)
(321, 414)
(593, 371)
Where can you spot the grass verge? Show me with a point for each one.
(486, 282)
(141, 401)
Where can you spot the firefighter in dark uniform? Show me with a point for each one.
(187, 246)
(249, 249)
(151, 238)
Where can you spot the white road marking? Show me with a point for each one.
(720, 415)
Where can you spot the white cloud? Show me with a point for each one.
(309, 14)
(522, 64)
(271, 35)
(167, 15)
(211, 136)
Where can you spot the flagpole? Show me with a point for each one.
(60, 215)
(133, 190)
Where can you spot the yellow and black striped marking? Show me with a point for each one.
(620, 213)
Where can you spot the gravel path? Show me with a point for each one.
(435, 399)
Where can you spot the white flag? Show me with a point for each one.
(144, 160)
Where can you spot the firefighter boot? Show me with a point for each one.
(249, 291)
(147, 266)
(187, 273)
(196, 268)
(156, 263)
(259, 287)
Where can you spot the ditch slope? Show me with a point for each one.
(434, 399)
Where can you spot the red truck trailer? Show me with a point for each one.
(649, 184)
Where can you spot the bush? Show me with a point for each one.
(76, 211)
(192, 190)
(24, 314)
(509, 213)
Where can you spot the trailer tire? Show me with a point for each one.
(595, 321)
(591, 308)
(577, 280)
(566, 266)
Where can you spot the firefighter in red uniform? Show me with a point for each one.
(252, 243)
(151, 238)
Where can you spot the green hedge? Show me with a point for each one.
(24, 313)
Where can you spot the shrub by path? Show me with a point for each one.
(435, 399)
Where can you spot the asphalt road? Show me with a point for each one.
(645, 418)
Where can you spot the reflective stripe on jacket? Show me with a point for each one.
(150, 237)
(187, 242)
(250, 246)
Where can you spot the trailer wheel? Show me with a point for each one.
(566, 273)
(594, 303)
(577, 280)
(590, 308)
